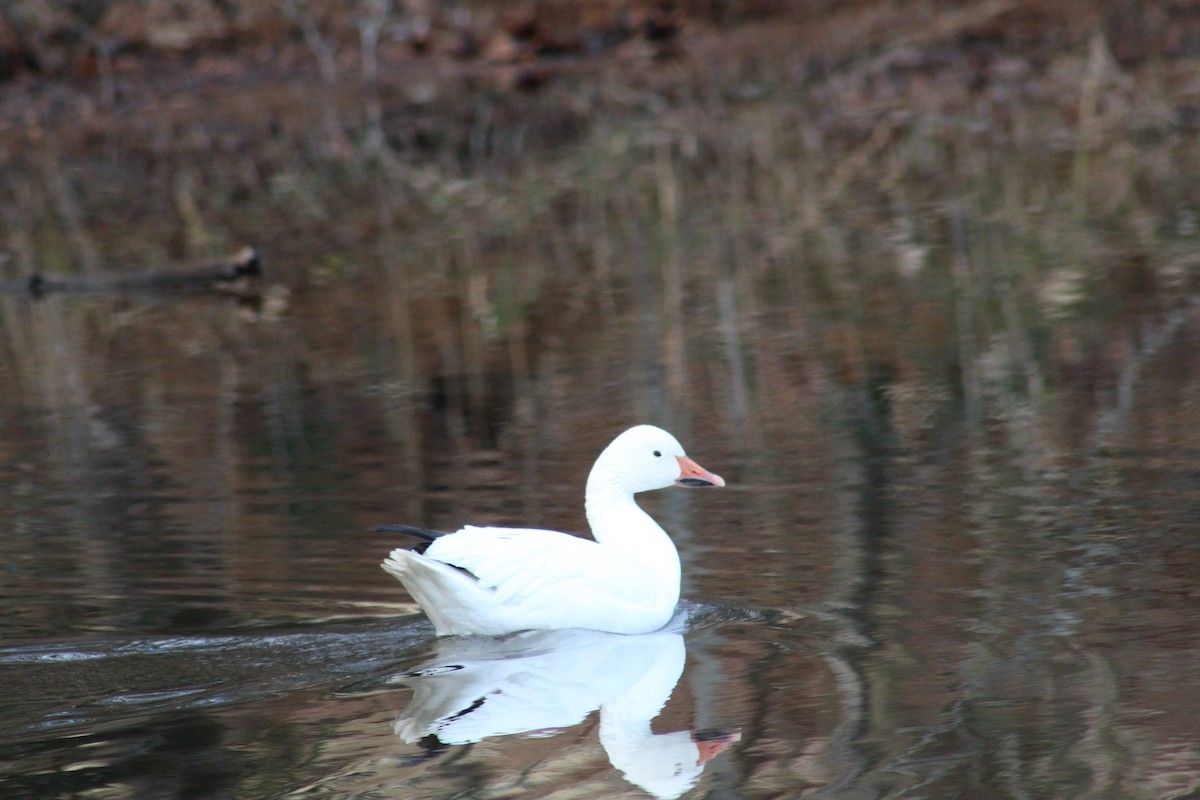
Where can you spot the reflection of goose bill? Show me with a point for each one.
(665, 765)
(711, 743)
(541, 680)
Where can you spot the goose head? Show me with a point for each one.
(645, 458)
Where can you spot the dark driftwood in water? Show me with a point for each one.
(216, 277)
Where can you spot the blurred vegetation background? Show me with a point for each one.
(958, 209)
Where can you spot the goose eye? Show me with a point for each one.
(657, 454)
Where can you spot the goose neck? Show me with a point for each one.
(610, 506)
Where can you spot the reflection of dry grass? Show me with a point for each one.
(939, 202)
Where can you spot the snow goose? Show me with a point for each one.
(492, 581)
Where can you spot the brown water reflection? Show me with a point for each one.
(1009, 610)
(948, 368)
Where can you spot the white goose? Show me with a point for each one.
(492, 581)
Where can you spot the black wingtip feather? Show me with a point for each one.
(420, 533)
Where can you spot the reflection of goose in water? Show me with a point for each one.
(532, 681)
(494, 581)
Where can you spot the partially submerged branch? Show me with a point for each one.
(228, 276)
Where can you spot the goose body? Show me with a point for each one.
(492, 580)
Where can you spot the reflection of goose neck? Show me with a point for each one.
(665, 765)
(629, 713)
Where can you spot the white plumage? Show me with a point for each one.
(490, 580)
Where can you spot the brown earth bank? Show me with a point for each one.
(89, 57)
(73, 38)
(476, 84)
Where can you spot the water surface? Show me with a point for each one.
(930, 308)
(193, 605)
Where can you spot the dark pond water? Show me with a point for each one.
(947, 363)
(885, 602)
